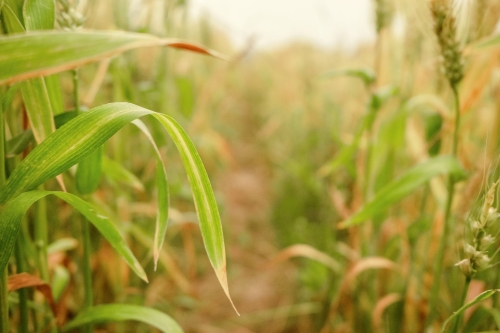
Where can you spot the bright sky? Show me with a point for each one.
(329, 23)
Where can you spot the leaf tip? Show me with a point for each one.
(222, 277)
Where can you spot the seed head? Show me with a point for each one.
(445, 30)
(383, 14)
(68, 17)
(476, 250)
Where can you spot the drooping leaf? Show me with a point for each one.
(85, 133)
(481, 297)
(163, 195)
(405, 185)
(43, 53)
(12, 213)
(123, 312)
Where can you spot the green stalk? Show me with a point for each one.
(87, 271)
(4, 294)
(458, 321)
(76, 96)
(438, 263)
(88, 300)
(23, 293)
(4, 303)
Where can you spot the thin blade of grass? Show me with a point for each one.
(481, 297)
(405, 185)
(123, 312)
(36, 54)
(163, 195)
(206, 206)
(12, 213)
(307, 251)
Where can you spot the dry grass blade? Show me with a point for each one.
(369, 263)
(382, 304)
(306, 251)
(25, 280)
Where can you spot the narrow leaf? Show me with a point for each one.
(39, 14)
(116, 172)
(68, 145)
(481, 297)
(122, 312)
(405, 185)
(42, 53)
(163, 195)
(12, 213)
(88, 172)
(204, 199)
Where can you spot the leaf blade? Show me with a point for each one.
(43, 53)
(12, 213)
(403, 186)
(122, 312)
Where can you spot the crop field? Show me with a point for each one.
(156, 178)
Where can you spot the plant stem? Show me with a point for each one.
(87, 271)
(23, 293)
(438, 263)
(76, 96)
(4, 294)
(458, 321)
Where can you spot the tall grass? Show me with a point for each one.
(25, 62)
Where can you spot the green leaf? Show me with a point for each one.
(43, 53)
(204, 199)
(116, 172)
(11, 20)
(163, 195)
(12, 213)
(39, 14)
(84, 134)
(88, 172)
(37, 102)
(481, 297)
(405, 185)
(185, 95)
(54, 90)
(122, 312)
(68, 145)
(18, 144)
(487, 42)
(9, 95)
(365, 74)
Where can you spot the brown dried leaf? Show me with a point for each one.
(25, 280)
(303, 250)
